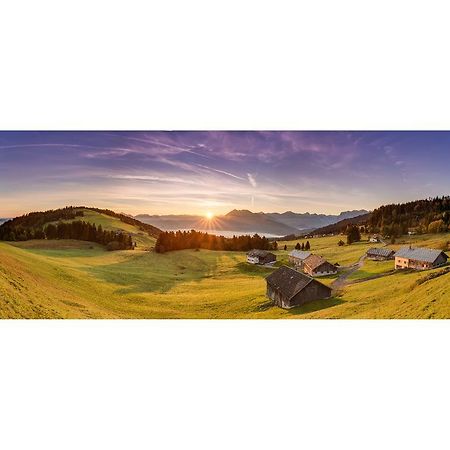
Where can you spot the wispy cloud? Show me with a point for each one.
(223, 172)
(251, 180)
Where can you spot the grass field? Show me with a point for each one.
(74, 279)
(329, 249)
(371, 269)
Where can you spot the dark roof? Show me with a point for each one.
(260, 253)
(386, 252)
(288, 281)
(315, 261)
(420, 254)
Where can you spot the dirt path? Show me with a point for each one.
(341, 281)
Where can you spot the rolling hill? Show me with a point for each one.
(66, 278)
(144, 235)
(75, 279)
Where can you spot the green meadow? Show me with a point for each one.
(75, 279)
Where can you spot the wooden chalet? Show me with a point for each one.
(288, 288)
(419, 258)
(316, 266)
(296, 257)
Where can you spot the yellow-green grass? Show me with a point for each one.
(141, 238)
(372, 269)
(68, 279)
(397, 296)
(328, 248)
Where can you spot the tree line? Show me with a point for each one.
(30, 226)
(36, 220)
(431, 215)
(76, 229)
(179, 240)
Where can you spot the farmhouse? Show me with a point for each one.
(419, 258)
(316, 266)
(260, 257)
(296, 257)
(380, 254)
(288, 288)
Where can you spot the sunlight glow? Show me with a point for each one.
(209, 215)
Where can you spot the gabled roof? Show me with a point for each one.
(259, 253)
(300, 254)
(386, 252)
(315, 261)
(420, 254)
(288, 281)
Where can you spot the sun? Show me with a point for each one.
(209, 215)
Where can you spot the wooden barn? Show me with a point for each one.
(380, 254)
(296, 257)
(288, 288)
(316, 266)
(260, 257)
(419, 258)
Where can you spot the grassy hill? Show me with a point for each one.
(142, 238)
(75, 279)
(36, 225)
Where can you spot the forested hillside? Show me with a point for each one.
(341, 226)
(67, 223)
(422, 216)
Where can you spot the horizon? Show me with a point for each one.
(213, 172)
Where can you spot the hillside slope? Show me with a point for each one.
(142, 238)
(76, 279)
(33, 225)
(340, 226)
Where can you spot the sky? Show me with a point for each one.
(174, 172)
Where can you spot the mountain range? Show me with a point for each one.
(244, 221)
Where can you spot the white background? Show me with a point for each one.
(229, 65)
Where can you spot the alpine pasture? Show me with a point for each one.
(77, 279)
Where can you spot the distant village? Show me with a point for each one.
(297, 284)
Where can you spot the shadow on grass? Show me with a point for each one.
(253, 270)
(151, 272)
(316, 305)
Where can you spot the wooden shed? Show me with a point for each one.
(380, 254)
(288, 288)
(260, 257)
(316, 266)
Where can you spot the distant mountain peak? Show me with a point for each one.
(239, 213)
